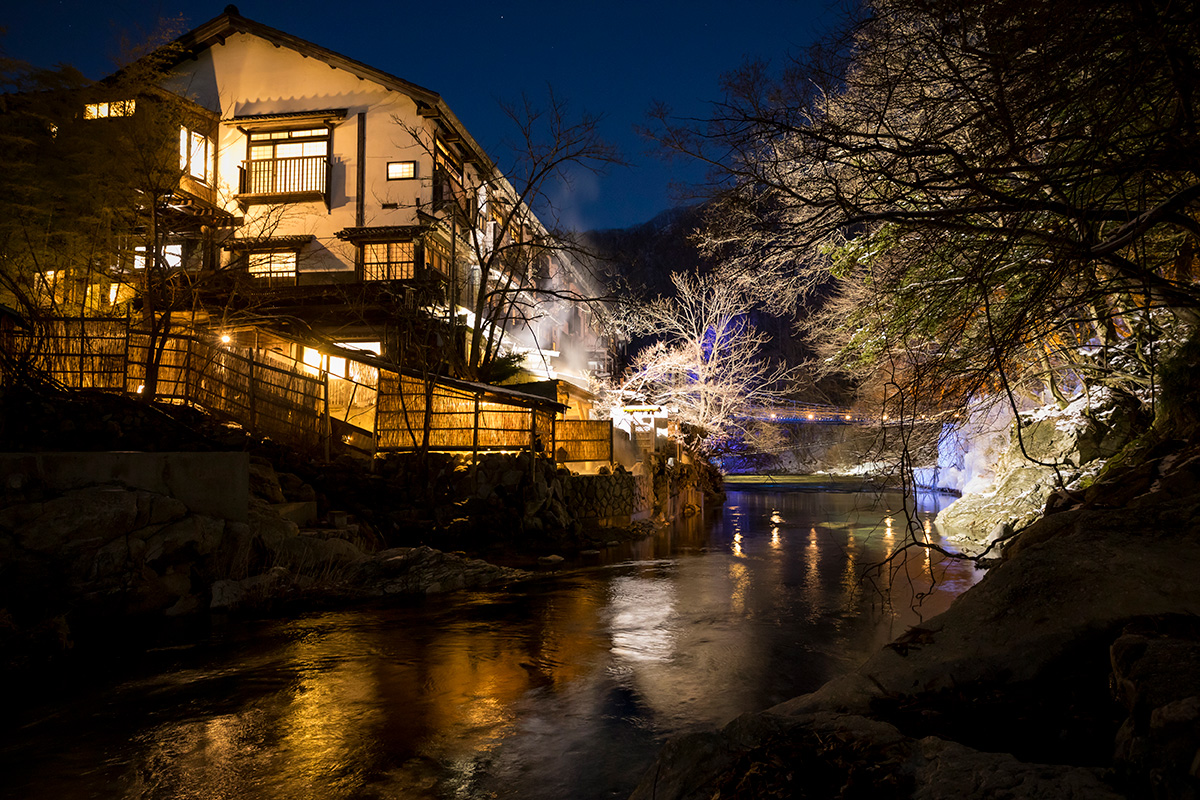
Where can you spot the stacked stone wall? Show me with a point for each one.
(612, 499)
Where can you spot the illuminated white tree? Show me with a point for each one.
(706, 366)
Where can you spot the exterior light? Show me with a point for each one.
(225, 338)
(812, 416)
(885, 417)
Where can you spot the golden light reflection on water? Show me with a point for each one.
(851, 579)
(397, 708)
(740, 578)
(812, 566)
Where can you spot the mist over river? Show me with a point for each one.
(563, 688)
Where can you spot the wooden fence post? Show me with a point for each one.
(378, 411)
(125, 362)
(188, 394)
(475, 437)
(82, 337)
(251, 384)
(328, 425)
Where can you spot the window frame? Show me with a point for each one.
(108, 109)
(437, 257)
(387, 269)
(173, 254)
(187, 151)
(273, 276)
(295, 135)
(391, 164)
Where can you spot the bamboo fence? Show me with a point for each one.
(273, 394)
(583, 440)
(415, 413)
(79, 354)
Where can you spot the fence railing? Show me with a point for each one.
(80, 354)
(583, 440)
(413, 413)
(294, 175)
(272, 394)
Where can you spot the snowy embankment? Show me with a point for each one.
(1010, 693)
(1007, 472)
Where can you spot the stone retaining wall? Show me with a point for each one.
(211, 484)
(610, 500)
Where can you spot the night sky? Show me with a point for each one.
(614, 58)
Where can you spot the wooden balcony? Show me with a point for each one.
(284, 180)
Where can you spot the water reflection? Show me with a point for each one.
(563, 690)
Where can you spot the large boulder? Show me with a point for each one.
(94, 516)
(1050, 450)
(1007, 694)
(423, 570)
(846, 755)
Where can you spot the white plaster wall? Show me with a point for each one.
(248, 75)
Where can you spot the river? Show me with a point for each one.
(559, 689)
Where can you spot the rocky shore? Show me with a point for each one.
(124, 535)
(1072, 670)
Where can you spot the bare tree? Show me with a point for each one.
(91, 209)
(516, 255)
(994, 184)
(706, 365)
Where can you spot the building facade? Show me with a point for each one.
(343, 202)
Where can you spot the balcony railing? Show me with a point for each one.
(302, 175)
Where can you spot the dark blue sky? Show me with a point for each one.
(612, 58)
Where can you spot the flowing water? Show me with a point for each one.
(559, 689)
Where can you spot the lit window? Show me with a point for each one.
(443, 158)
(401, 170)
(388, 261)
(196, 154)
(117, 108)
(316, 361)
(437, 257)
(283, 162)
(312, 358)
(172, 255)
(276, 266)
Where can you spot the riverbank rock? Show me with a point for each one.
(108, 554)
(826, 754)
(422, 570)
(1156, 679)
(1010, 692)
(1049, 450)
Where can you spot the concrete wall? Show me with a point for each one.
(212, 484)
